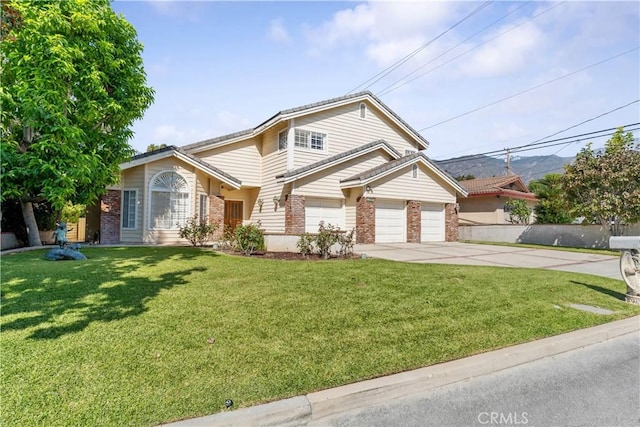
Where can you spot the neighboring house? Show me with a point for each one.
(487, 196)
(348, 161)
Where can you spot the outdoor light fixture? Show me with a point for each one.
(260, 202)
(368, 189)
(276, 199)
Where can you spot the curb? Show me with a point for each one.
(320, 405)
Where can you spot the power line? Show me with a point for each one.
(391, 88)
(401, 61)
(538, 146)
(531, 88)
(581, 123)
(587, 121)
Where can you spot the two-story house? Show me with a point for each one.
(348, 161)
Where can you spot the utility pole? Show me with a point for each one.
(508, 161)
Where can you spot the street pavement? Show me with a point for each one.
(598, 385)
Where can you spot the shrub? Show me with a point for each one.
(249, 238)
(197, 232)
(305, 244)
(72, 213)
(346, 242)
(325, 239)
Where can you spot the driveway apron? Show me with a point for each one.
(497, 256)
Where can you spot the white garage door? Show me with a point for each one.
(432, 226)
(390, 221)
(328, 210)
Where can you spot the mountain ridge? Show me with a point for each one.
(481, 166)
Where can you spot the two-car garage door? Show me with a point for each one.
(391, 221)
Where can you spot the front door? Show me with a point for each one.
(232, 213)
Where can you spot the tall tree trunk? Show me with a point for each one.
(30, 222)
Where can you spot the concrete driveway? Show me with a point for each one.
(498, 256)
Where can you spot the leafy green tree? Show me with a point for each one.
(551, 207)
(73, 83)
(154, 147)
(519, 211)
(604, 186)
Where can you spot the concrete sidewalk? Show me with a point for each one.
(316, 408)
(497, 256)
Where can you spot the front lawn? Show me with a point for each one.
(141, 336)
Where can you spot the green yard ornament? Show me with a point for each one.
(60, 234)
(65, 251)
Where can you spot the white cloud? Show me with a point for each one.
(183, 10)
(507, 53)
(387, 31)
(277, 31)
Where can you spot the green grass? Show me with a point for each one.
(122, 338)
(557, 248)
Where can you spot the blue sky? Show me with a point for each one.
(220, 67)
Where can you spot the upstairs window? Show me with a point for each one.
(409, 152)
(282, 140)
(363, 110)
(414, 171)
(310, 140)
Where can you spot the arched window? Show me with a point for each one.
(363, 110)
(169, 201)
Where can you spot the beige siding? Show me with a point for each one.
(241, 160)
(133, 179)
(346, 130)
(274, 163)
(327, 182)
(402, 185)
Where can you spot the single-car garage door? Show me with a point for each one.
(328, 210)
(432, 218)
(390, 221)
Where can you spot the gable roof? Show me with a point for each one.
(291, 113)
(336, 159)
(378, 172)
(510, 185)
(173, 151)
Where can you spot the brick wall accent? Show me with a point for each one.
(216, 215)
(110, 206)
(365, 220)
(294, 214)
(451, 222)
(414, 221)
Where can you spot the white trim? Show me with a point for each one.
(359, 182)
(186, 159)
(150, 195)
(136, 211)
(312, 110)
(337, 162)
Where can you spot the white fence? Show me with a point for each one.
(577, 236)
